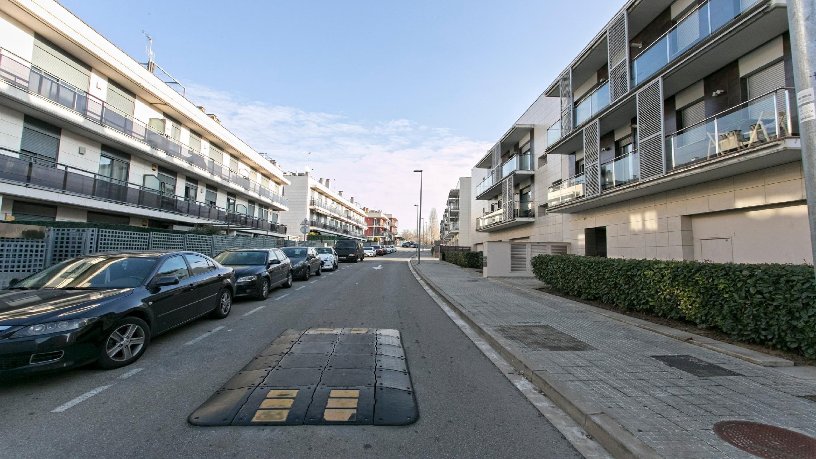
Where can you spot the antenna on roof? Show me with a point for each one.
(151, 63)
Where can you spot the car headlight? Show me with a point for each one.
(52, 327)
(245, 279)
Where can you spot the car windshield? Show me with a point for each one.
(368, 248)
(242, 258)
(295, 252)
(92, 273)
(324, 250)
(346, 244)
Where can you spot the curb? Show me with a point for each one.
(605, 429)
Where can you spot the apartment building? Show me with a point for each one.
(678, 136)
(320, 210)
(380, 226)
(449, 224)
(87, 134)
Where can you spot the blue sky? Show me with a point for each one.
(373, 89)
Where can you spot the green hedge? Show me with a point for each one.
(463, 259)
(769, 304)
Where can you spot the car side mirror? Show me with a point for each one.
(273, 262)
(13, 282)
(164, 281)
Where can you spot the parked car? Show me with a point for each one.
(257, 271)
(328, 256)
(378, 249)
(105, 308)
(305, 261)
(349, 250)
(391, 249)
(369, 251)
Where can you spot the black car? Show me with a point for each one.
(349, 250)
(257, 271)
(105, 308)
(305, 261)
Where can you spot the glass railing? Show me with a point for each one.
(486, 183)
(750, 124)
(554, 133)
(696, 26)
(524, 209)
(79, 182)
(523, 162)
(621, 171)
(592, 104)
(567, 190)
(21, 73)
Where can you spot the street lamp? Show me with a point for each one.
(419, 245)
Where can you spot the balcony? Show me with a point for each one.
(335, 211)
(591, 104)
(696, 26)
(554, 133)
(620, 171)
(747, 125)
(21, 74)
(568, 190)
(334, 228)
(69, 180)
(521, 214)
(517, 163)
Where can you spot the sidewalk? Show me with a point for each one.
(624, 383)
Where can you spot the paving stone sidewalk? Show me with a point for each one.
(624, 376)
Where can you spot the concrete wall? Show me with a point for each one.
(11, 129)
(17, 38)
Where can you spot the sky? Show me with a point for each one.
(362, 92)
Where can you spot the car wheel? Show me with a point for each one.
(224, 305)
(319, 270)
(288, 282)
(264, 291)
(334, 268)
(124, 343)
(307, 273)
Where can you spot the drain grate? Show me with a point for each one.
(766, 441)
(695, 366)
(543, 337)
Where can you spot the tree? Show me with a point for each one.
(433, 226)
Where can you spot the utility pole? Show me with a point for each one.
(801, 18)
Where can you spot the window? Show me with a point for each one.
(692, 114)
(191, 190)
(120, 99)
(61, 64)
(211, 196)
(624, 146)
(230, 202)
(263, 212)
(29, 211)
(114, 164)
(174, 267)
(579, 166)
(195, 142)
(251, 208)
(766, 80)
(167, 182)
(40, 141)
(198, 264)
(174, 128)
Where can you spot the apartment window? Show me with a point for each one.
(174, 128)
(191, 190)
(54, 60)
(195, 142)
(216, 154)
(692, 114)
(579, 166)
(251, 208)
(211, 196)
(114, 164)
(167, 182)
(624, 146)
(29, 211)
(230, 202)
(40, 141)
(120, 99)
(263, 212)
(766, 80)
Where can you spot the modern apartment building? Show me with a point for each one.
(449, 225)
(380, 226)
(87, 134)
(678, 139)
(317, 208)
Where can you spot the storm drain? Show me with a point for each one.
(318, 376)
(542, 337)
(695, 366)
(766, 441)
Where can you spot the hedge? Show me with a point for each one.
(769, 304)
(463, 259)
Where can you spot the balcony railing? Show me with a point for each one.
(592, 104)
(336, 210)
(567, 190)
(334, 228)
(521, 162)
(697, 25)
(749, 124)
(24, 75)
(620, 171)
(498, 217)
(67, 179)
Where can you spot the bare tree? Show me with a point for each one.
(433, 226)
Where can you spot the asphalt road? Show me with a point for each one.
(467, 407)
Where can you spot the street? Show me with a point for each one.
(467, 408)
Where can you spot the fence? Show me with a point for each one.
(21, 256)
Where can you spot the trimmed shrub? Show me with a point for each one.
(769, 304)
(463, 259)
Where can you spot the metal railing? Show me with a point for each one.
(622, 170)
(67, 179)
(592, 104)
(22, 74)
(694, 27)
(749, 124)
(499, 216)
(335, 228)
(567, 190)
(520, 162)
(336, 211)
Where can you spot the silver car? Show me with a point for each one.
(328, 257)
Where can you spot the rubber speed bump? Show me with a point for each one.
(343, 376)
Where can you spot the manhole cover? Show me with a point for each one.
(695, 366)
(542, 337)
(766, 441)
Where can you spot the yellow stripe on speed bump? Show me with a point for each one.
(275, 408)
(270, 416)
(277, 403)
(282, 393)
(339, 415)
(343, 393)
(341, 403)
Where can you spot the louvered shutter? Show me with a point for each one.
(767, 80)
(120, 99)
(40, 138)
(60, 64)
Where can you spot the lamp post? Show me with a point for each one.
(419, 245)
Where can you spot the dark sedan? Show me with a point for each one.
(305, 261)
(105, 308)
(257, 271)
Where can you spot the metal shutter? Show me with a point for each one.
(767, 80)
(120, 99)
(40, 138)
(60, 64)
(195, 142)
(692, 114)
(29, 211)
(518, 258)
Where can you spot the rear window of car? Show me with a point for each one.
(243, 258)
(324, 250)
(295, 252)
(346, 244)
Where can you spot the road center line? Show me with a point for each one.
(282, 297)
(301, 287)
(312, 282)
(80, 399)
(195, 340)
(131, 373)
(249, 313)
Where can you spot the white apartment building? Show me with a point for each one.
(317, 208)
(87, 134)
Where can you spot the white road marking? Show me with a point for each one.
(131, 373)
(195, 340)
(301, 287)
(282, 297)
(377, 267)
(249, 313)
(80, 399)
